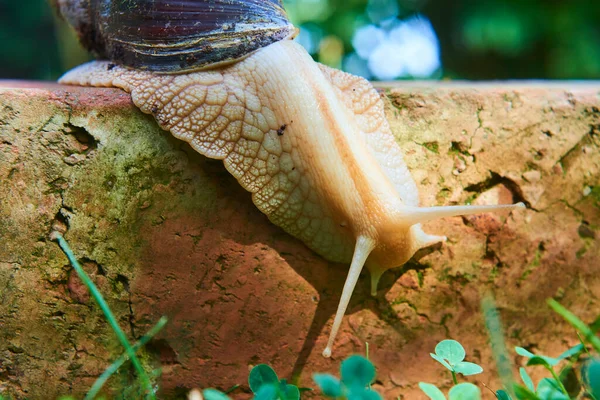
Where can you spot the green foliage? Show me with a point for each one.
(451, 355)
(526, 379)
(592, 378)
(265, 385)
(464, 391)
(357, 371)
(357, 374)
(261, 375)
(214, 394)
(147, 390)
(432, 391)
(329, 384)
(502, 395)
(565, 385)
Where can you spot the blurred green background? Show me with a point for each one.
(478, 39)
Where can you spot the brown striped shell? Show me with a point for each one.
(172, 36)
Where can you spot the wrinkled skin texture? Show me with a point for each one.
(314, 149)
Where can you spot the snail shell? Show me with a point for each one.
(310, 143)
(173, 36)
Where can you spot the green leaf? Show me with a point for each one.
(432, 391)
(569, 379)
(214, 394)
(357, 371)
(260, 375)
(363, 394)
(578, 324)
(450, 350)
(548, 389)
(522, 393)
(464, 391)
(526, 379)
(502, 395)
(441, 361)
(595, 326)
(592, 375)
(537, 360)
(290, 392)
(267, 391)
(572, 351)
(467, 368)
(329, 384)
(526, 353)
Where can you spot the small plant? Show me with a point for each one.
(357, 374)
(265, 385)
(147, 389)
(451, 355)
(571, 382)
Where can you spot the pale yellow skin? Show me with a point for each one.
(309, 142)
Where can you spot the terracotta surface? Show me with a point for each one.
(164, 231)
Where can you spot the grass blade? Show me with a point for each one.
(97, 386)
(578, 324)
(107, 312)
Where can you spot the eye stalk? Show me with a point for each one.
(174, 36)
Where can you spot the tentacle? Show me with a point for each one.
(363, 248)
(423, 239)
(375, 276)
(413, 215)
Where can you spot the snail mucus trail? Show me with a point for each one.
(225, 76)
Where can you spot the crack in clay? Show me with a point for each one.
(423, 315)
(496, 179)
(120, 278)
(586, 139)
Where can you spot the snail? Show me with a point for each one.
(311, 143)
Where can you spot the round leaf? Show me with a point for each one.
(214, 394)
(464, 391)
(357, 371)
(267, 391)
(290, 392)
(441, 361)
(593, 377)
(260, 375)
(548, 389)
(432, 391)
(363, 394)
(467, 368)
(329, 384)
(450, 350)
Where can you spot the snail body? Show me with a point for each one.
(310, 143)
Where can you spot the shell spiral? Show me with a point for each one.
(172, 36)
